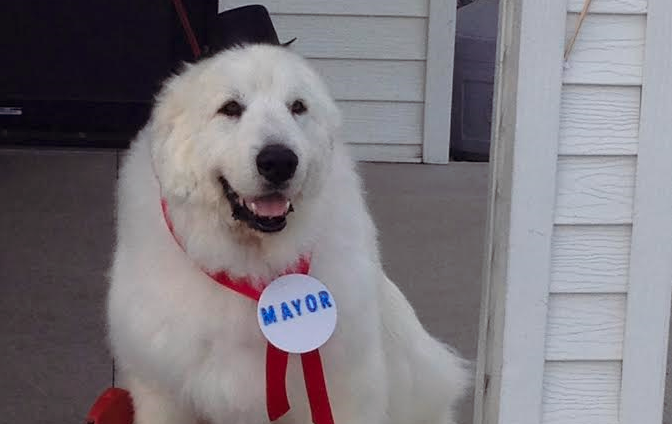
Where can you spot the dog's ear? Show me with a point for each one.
(170, 136)
(288, 43)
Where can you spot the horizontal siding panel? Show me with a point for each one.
(609, 6)
(340, 7)
(386, 152)
(581, 392)
(373, 79)
(599, 120)
(382, 122)
(609, 50)
(595, 190)
(590, 259)
(585, 327)
(355, 37)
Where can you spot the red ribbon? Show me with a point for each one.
(277, 403)
(316, 387)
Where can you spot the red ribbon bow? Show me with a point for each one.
(277, 403)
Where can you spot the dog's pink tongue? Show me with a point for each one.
(269, 206)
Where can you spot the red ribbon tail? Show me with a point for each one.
(316, 387)
(277, 403)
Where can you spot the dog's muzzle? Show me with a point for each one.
(266, 213)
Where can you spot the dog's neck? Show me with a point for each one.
(217, 244)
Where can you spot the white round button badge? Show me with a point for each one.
(296, 313)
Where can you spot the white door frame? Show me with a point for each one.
(523, 162)
(511, 353)
(650, 283)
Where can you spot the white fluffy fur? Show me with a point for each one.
(190, 350)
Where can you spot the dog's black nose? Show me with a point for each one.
(277, 163)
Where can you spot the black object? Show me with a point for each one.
(84, 73)
(236, 27)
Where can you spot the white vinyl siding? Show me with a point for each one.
(592, 259)
(592, 276)
(583, 392)
(584, 327)
(609, 6)
(609, 50)
(595, 192)
(599, 119)
(403, 8)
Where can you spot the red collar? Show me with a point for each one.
(242, 285)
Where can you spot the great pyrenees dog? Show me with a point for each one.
(243, 150)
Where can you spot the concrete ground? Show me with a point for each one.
(56, 233)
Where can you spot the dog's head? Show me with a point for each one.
(248, 131)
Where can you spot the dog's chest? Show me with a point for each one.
(227, 382)
(225, 375)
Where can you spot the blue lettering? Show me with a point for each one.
(297, 306)
(324, 299)
(268, 315)
(286, 313)
(311, 303)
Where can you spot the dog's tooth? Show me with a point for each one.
(253, 207)
(288, 205)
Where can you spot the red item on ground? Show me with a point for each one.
(114, 406)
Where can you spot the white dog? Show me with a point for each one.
(243, 149)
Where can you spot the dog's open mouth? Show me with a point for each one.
(267, 213)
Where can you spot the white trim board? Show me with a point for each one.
(510, 371)
(439, 80)
(650, 284)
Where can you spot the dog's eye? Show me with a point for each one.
(232, 108)
(298, 107)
